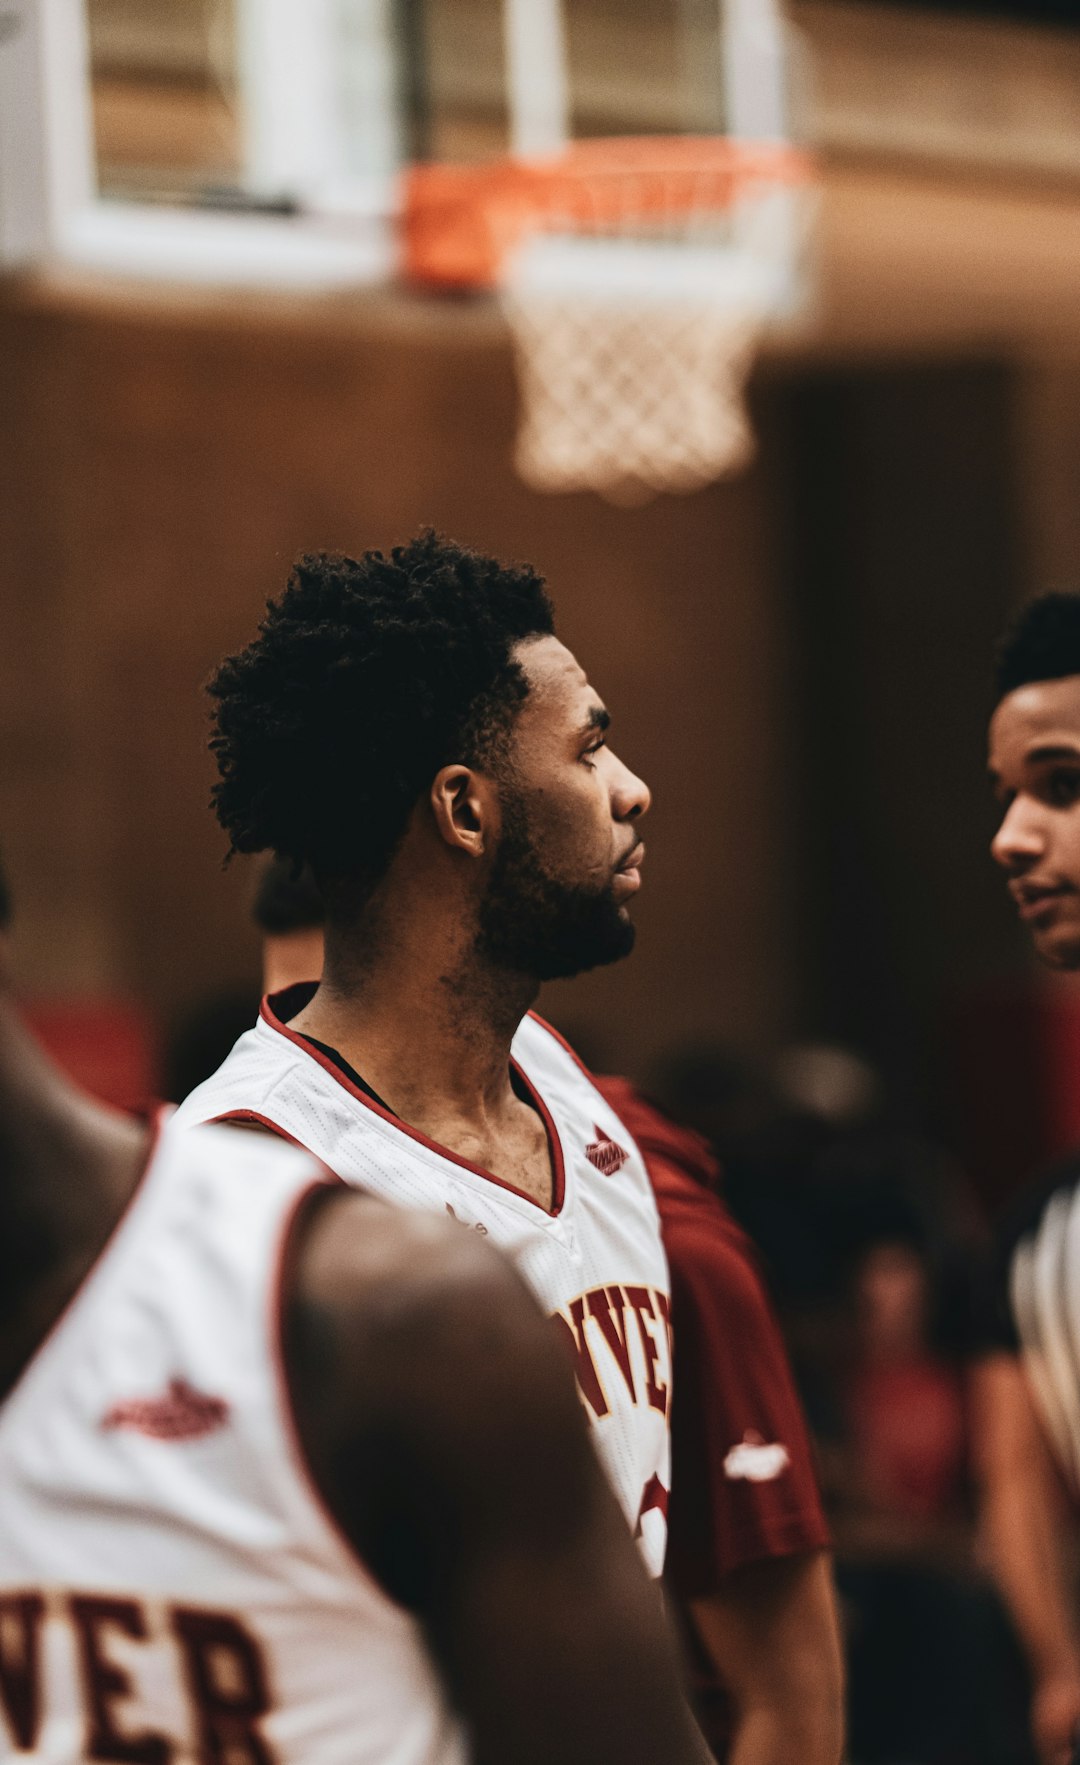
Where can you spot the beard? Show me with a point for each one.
(533, 922)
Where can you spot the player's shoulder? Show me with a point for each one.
(254, 1068)
(544, 1043)
(222, 1185)
(214, 1148)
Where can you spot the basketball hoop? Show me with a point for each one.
(637, 276)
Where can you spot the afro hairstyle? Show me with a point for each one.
(367, 676)
(1043, 643)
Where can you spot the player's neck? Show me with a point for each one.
(422, 1019)
(67, 1169)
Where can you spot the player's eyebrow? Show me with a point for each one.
(1052, 751)
(1049, 752)
(597, 717)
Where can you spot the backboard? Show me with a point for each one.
(322, 104)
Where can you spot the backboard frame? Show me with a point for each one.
(344, 230)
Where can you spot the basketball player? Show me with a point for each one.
(449, 1579)
(1028, 1386)
(747, 1560)
(411, 728)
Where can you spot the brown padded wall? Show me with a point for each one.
(162, 464)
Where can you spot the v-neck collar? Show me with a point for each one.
(293, 999)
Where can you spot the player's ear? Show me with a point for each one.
(463, 803)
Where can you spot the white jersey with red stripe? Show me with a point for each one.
(595, 1261)
(170, 1586)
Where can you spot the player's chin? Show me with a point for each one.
(1058, 945)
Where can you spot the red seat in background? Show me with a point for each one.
(109, 1047)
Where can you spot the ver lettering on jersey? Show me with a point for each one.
(620, 1332)
(100, 1643)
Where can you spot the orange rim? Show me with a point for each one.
(461, 223)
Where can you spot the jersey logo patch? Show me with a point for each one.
(605, 1153)
(181, 1414)
(473, 1225)
(755, 1461)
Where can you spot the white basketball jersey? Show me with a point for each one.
(170, 1588)
(595, 1262)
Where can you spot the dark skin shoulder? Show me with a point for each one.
(441, 1423)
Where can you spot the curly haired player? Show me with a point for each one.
(410, 727)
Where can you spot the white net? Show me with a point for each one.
(637, 277)
(630, 396)
(632, 359)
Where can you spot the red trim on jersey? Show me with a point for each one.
(282, 1270)
(157, 1122)
(558, 1168)
(250, 1118)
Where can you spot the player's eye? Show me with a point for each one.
(1063, 786)
(595, 749)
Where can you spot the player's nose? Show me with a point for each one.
(631, 796)
(1020, 839)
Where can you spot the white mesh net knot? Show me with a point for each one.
(632, 359)
(631, 398)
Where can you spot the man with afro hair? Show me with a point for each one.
(411, 729)
(1027, 1380)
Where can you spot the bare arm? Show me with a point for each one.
(1026, 1531)
(441, 1422)
(772, 1635)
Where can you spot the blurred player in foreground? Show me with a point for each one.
(748, 1555)
(410, 727)
(1028, 1387)
(188, 1321)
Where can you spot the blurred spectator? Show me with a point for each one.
(898, 1447)
(905, 1402)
